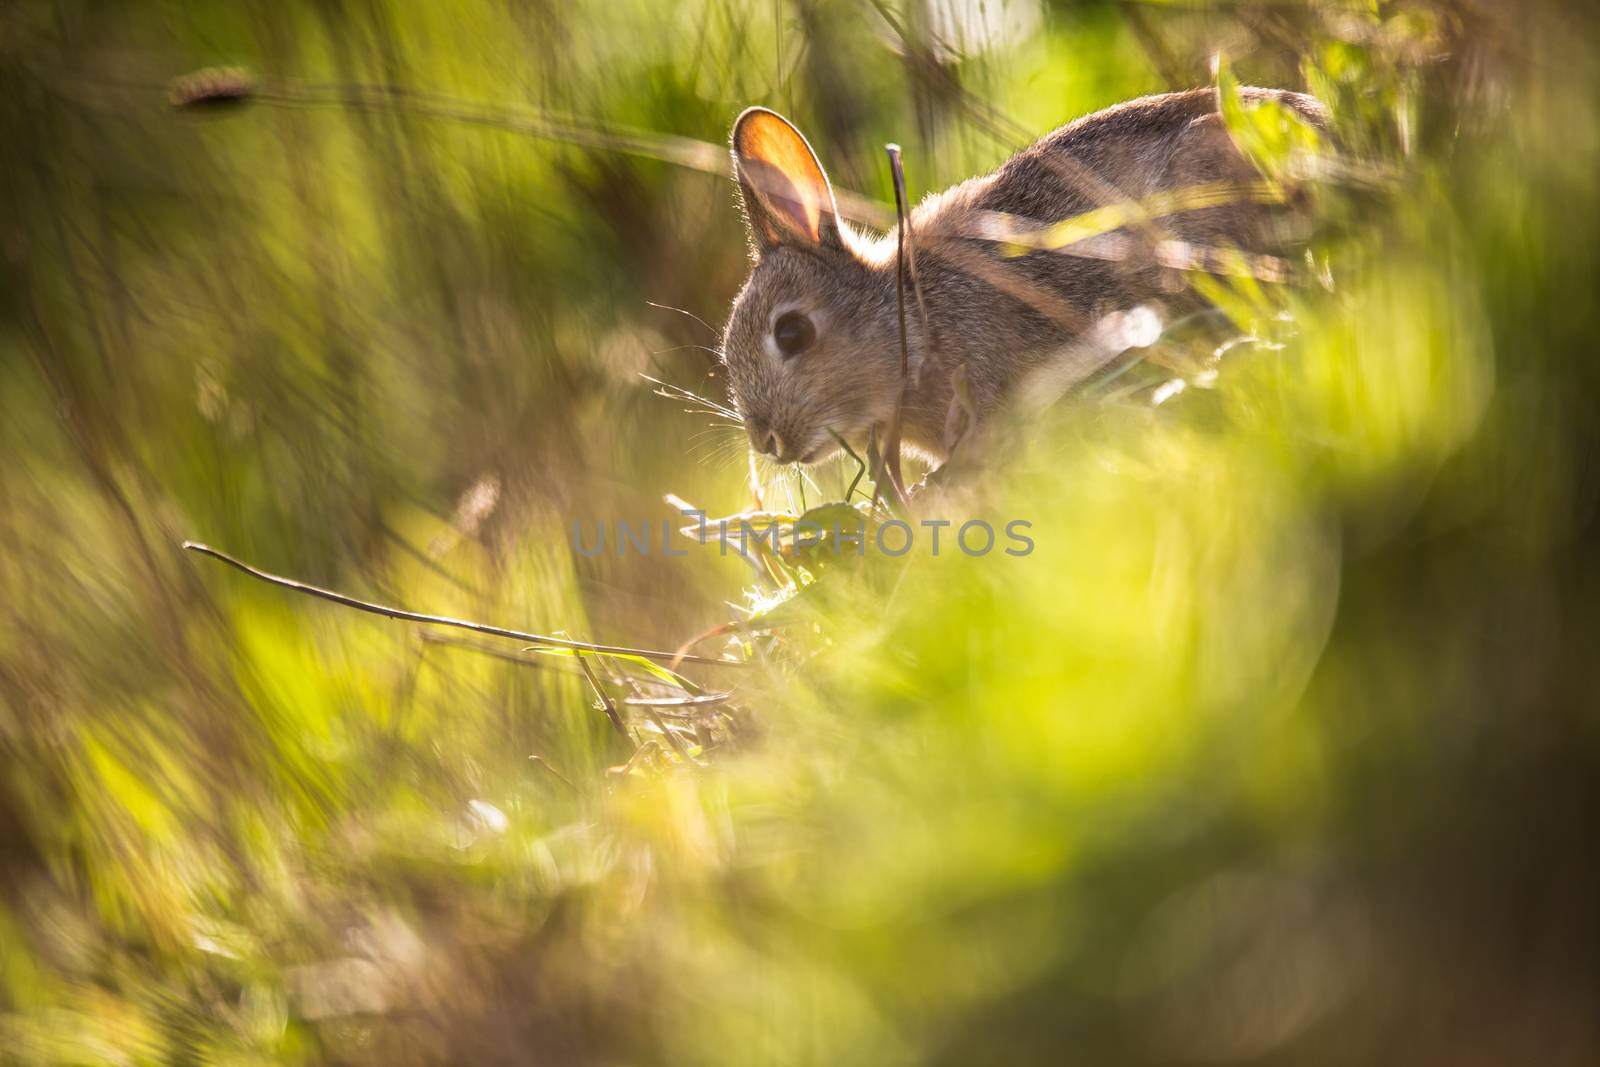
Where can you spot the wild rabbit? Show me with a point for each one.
(813, 345)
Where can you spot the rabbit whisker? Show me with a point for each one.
(679, 348)
(688, 314)
(675, 392)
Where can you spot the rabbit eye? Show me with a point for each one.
(794, 333)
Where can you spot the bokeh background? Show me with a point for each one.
(1281, 747)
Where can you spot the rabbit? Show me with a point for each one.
(812, 345)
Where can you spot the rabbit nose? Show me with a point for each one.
(769, 443)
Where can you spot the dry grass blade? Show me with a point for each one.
(606, 702)
(445, 620)
(484, 648)
(234, 85)
(891, 444)
(540, 761)
(704, 700)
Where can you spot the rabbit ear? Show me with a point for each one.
(786, 194)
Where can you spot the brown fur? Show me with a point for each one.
(1000, 317)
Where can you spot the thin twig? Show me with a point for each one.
(444, 620)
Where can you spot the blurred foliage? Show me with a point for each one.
(1280, 747)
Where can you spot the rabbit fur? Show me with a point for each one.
(812, 347)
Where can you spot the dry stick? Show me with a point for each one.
(445, 620)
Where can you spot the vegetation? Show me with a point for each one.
(1279, 746)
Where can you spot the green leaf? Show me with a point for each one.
(1271, 135)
